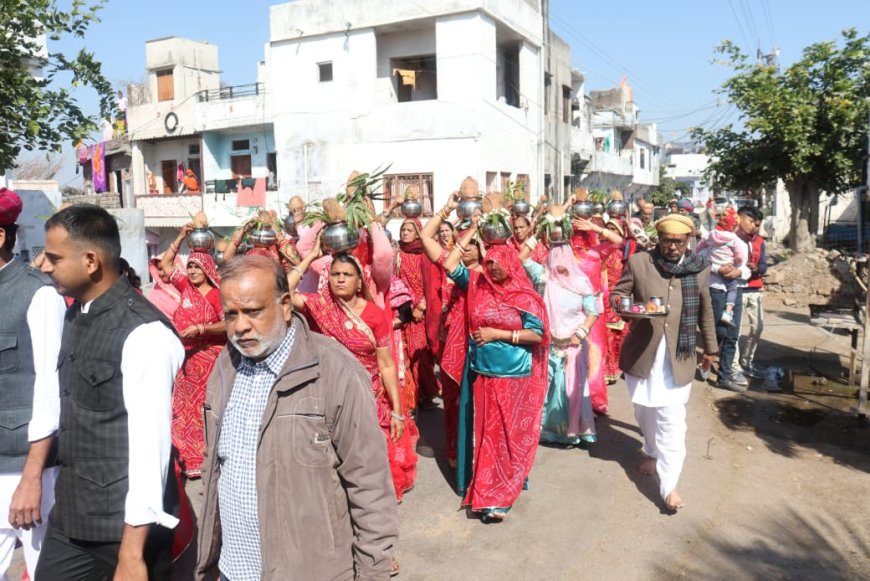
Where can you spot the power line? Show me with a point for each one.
(768, 20)
(750, 21)
(600, 53)
(739, 24)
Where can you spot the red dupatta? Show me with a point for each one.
(194, 308)
(516, 291)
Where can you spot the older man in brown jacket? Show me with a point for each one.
(297, 483)
(658, 355)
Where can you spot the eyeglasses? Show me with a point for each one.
(675, 243)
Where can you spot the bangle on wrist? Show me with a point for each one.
(515, 337)
(201, 329)
(395, 416)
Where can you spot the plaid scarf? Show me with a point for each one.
(687, 271)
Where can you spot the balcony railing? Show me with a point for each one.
(251, 90)
(610, 163)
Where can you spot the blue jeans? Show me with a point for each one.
(726, 335)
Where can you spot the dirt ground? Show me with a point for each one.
(776, 487)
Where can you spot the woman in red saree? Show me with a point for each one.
(199, 319)
(345, 311)
(506, 375)
(420, 276)
(613, 257)
(522, 235)
(451, 322)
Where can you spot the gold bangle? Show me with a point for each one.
(515, 337)
(442, 214)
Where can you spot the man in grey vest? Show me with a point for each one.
(117, 362)
(31, 321)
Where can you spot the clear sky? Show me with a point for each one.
(663, 47)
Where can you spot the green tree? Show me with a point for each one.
(37, 114)
(806, 125)
(664, 193)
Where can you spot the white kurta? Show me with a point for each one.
(660, 410)
(658, 390)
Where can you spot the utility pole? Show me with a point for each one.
(865, 361)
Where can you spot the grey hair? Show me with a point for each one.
(242, 265)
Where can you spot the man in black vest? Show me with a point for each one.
(117, 363)
(31, 321)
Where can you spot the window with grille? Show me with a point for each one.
(395, 185)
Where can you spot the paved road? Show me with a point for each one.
(775, 486)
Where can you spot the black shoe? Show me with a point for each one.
(730, 385)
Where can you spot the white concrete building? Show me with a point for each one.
(439, 90)
(686, 165)
(184, 119)
(626, 152)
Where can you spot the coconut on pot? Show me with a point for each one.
(469, 188)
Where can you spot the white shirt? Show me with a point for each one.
(150, 359)
(45, 320)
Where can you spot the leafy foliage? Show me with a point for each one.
(36, 114)
(806, 125)
(664, 193)
(548, 222)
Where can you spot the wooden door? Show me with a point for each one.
(169, 170)
(165, 86)
(241, 166)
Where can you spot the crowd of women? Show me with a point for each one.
(514, 333)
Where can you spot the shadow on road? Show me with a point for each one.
(621, 443)
(786, 422)
(432, 444)
(784, 544)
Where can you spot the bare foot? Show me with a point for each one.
(673, 501)
(648, 467)
(394, 568)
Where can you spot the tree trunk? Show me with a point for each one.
(804, 198)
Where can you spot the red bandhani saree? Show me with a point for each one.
(412, 267)
(507, 410)
(363, 335)
(613, 262)
(200, 355)
(539, 254)
(454, 348)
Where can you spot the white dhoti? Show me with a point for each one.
(31, 540)
(660, 410)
